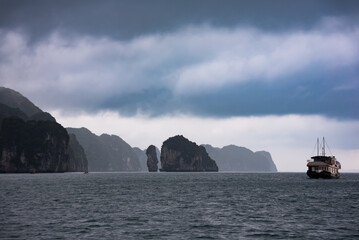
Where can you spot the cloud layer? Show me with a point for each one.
(264, 76)
(128, 19)
(198, 69)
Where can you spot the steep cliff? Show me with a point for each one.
(234, 158)
(33, 146)
(29, 135)
(142, 157)
(152, 161)
(106, 152)
(178, 154)
(269, 163)
(77, 157)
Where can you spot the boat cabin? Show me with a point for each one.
(322, 166)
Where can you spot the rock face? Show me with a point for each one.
(77, 157)
(271, 165)
(234, 158)
(142, 157)
(33, 146)
(152, 161)
(178, 154)
(6, 111)
(106, 152)
(31, 140)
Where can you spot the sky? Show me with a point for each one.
(266, 75)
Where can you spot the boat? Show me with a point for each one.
(322, 166)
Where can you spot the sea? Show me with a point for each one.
(178, 206)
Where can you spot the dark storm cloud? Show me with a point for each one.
(206, 58)
(127, 19)
(305, 94)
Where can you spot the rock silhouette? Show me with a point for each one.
(178, 154)
(152, 161)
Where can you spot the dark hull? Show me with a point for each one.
(323, 174)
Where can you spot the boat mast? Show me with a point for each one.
(317, 146)
(323, 148)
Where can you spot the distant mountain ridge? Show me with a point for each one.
(142, 158)
(78, 160)
(234, 158)
(106, 152)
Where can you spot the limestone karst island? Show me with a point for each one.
(32, 141)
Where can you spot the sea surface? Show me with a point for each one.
(178, 206)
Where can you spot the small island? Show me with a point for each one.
(152, 160)
(178, 154)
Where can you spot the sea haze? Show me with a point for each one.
(178, 206)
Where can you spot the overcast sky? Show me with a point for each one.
(267, 75)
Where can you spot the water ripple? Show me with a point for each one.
(178, 206)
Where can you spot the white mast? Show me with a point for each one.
(323, 148)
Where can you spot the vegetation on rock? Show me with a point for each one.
(234, 158)
(77, 161)
(106, 152)
(33, 146)
(178, 154)
(30, 139)
(152, 161)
